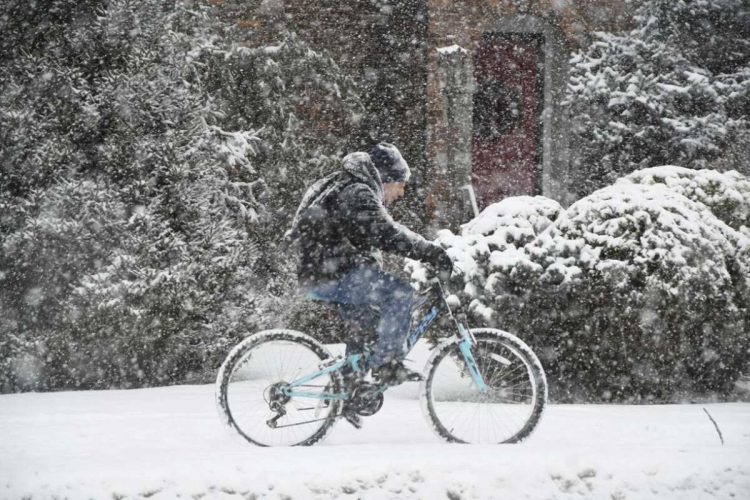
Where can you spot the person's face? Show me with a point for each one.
(392, 191)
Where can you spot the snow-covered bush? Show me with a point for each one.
(674, 90)
(634, 292)
(141, 154)
(490, 246)
(726, 194)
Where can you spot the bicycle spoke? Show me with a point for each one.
(497, 414)
(258, 379)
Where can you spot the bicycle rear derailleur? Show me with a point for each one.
(276, 400)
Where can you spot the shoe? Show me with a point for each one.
(394, 373)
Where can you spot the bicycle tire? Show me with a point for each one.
(534, 371)
(240, 355)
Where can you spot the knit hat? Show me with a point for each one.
(390, 164)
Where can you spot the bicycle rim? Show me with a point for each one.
(505, 413)
(249, 384)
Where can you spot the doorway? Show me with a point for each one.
(507, 116)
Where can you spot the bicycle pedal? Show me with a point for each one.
(353, 419)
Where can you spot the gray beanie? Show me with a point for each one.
(390, 164)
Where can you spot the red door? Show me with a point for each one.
(506, 142)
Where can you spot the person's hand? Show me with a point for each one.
(443, 264)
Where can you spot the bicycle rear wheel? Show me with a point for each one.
(249, 389)
(510, 408)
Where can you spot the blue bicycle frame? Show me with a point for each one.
(358, 361)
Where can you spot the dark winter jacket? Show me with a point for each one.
(342, 222)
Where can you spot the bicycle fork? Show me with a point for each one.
(467, 342)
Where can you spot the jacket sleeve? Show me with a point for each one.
(369, 225)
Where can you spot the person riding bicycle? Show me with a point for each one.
(342, 225)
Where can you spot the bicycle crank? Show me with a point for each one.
(366, 399)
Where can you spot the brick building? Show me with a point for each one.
(469, 90)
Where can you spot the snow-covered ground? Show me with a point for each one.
(169, 443)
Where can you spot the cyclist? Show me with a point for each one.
(342, 225)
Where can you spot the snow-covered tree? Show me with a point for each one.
(636, 291)
(308, 109)
(142, 150)
(674, 90)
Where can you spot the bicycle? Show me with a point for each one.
(282, 387)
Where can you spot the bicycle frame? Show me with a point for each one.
(357, 361)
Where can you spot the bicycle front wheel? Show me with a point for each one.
(250, 389)
(510, 407)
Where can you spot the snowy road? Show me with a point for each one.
(167, 442)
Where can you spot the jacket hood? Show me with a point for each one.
(360, 166)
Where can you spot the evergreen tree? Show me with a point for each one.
(674, 90)
(142, 152)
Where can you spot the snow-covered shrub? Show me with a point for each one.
(634, 292)
(135, 198)
(674, 90)
(489, 246)
(647, 286)
(726, 194)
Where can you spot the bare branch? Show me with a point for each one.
(715, 425)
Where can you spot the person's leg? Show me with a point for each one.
(360, 320)
(371, 286)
